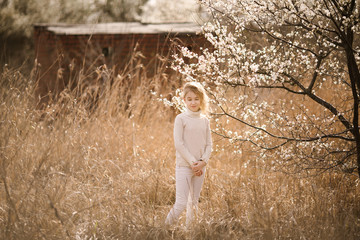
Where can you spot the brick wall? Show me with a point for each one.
(62, 56)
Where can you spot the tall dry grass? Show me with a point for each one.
(98, 163)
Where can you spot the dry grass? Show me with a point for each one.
(74, 171)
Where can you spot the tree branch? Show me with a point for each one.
(311, 139)
(323, 103)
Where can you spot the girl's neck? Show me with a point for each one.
(193, 114)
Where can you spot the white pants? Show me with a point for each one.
(188, 188)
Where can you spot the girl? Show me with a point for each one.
(193, 146)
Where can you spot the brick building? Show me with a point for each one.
(65, 49)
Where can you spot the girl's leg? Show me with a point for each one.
(183, 177)
(195, 189)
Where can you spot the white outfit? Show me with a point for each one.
(192, 137)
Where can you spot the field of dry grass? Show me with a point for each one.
(75, 171)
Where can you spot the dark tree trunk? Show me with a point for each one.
(354, 76)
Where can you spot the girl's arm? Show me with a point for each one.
(208, 148)
(179, 142)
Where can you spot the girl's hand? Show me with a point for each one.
(199, 165)
(198, 173)
(197, 168)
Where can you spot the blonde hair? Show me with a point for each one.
(199, 90)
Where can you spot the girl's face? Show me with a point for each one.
(192, 101)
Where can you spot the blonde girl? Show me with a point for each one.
(192, 138)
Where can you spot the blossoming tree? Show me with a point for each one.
(286, 73)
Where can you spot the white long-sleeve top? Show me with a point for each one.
(192, 137)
